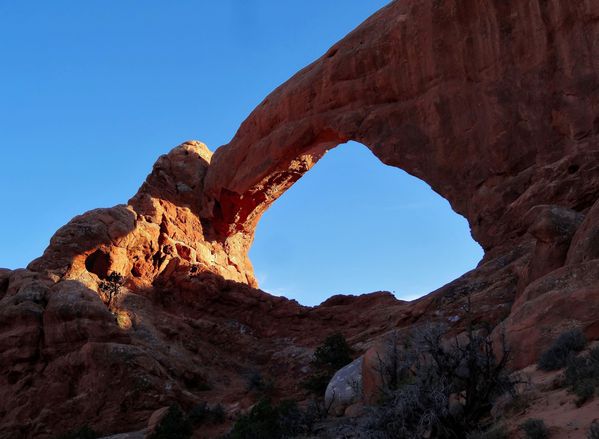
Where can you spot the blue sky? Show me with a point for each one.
(91, 93)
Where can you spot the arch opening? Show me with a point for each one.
(353, 225)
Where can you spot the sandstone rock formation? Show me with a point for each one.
(494, 104)
(345, 388)
(158, 231)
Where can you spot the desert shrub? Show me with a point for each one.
(257, 383)
(494, 432)
(333, 353)
(266, 420)
(520, 402)
(329, 357)
(202, 414)
(254, 381)
(201, 386)
(317, 382)
(395, 369)
(450, 388)
(582, 375)
(593, 432)
(535, 429)
(584, 391)
(562, 349)
(174, 424)
(82, 433)
(111, 287)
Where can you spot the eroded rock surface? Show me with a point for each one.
(345, 388)
(495, 104)
(492, 104)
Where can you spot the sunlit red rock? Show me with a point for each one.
(494, 104)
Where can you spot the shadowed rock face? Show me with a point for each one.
(492, 103)
(495, 104)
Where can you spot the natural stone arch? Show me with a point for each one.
(494, 104)
(492, 124)
(353, 225)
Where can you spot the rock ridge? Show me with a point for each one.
(494, 104)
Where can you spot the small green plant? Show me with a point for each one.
(535, 429)
(582, 375)
(111, 287)
(556, 357)
(593, 432)
(584, 391)
(329, 357)
(317, 383)
(203, 386)
(257, 383)
(266, 420)
(203, 414)
(494, 432)
(82, 433)
(334, 352)
(173, 425)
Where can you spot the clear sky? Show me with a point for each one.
(92, 92)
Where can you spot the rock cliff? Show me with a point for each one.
(494, 104)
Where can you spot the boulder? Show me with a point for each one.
(564, 299)
(345, 388)
(155, 420)
(585, 243)
(553, 227)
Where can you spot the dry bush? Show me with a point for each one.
(582, 375)
(439, 388)
(535, 429)
(556, 357)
